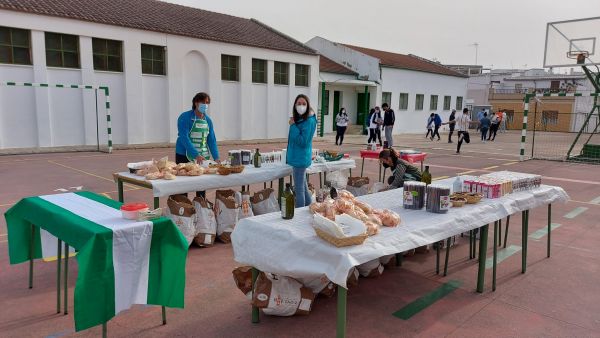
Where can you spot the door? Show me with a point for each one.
(362, 109)
(336, 107)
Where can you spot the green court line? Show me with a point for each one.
(575, 212)
(595, 200)
(502, 255)
(541, 232)
(424, 301)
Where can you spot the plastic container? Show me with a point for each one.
(130, 210)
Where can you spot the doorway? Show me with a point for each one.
(336, 107)
(362, 109)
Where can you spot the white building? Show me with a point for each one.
(154, 56)
(414, 87)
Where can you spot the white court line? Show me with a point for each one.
(595, 200)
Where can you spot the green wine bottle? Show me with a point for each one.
(426, 176)
(288, 202)
(257, 159)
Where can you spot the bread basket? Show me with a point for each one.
(224, 171)
(341, 242)
(458, 202)
(237, 169)
(473, 198)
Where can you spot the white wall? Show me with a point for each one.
(399, 81)
(144, 108)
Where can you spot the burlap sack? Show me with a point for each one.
(206, 222)
(243, 280)
(226, 212)
(182, 212)
(281, 296)
(371, 269)
(264, 202)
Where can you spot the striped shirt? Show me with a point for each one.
(404, 171)
(462, 122)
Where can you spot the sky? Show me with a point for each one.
(510, 33)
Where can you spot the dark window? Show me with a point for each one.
(386, 97)
(554, 86)
(153, 60)
(447, 102)
(326, 103)
(459, 103)
(433, 103)
(550, 117)
(419, 102)
(15, 46)
(230, 67)
(403, 101)
(302, 75)
(259, 71)
(281, 73)
(108, 55)
(62, 50)
(510, 116)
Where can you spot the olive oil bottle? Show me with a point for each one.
(426, 176)
(257, 159)
(288, 202)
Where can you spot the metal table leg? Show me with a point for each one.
(362, 167)
(120, 189)
(447, 256)
(549, 228)
(483, 235)
(103, 330)
(255, 310)
(66, 277)
(58, 263)
(524, 234)
(341, 312)
(156, 202)
(496, 226)
(500, 232)
(383, 180)
(280, 189)
(164, 315)
(470, 244)
(399, 259)
(506, 230)
(379, 173)
(31, 239)
(437, 258)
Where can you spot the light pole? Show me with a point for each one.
(476, 45)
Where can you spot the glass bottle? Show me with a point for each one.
(288, 202)
(426, 176)
(257, 159)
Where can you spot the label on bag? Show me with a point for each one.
(408, 198)
(207, 239)
(444, 202)
(283, 207)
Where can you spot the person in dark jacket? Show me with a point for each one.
(437, 123)
(484, 126)
(401, 169)
(389, 118)
(451, 124)
(341, 123)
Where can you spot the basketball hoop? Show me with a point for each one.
(579, 55)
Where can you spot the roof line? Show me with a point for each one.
(285, 36)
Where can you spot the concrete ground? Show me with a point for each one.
(557, 297)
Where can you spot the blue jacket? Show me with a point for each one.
(437, 120)
(299, 149)
(184, 127)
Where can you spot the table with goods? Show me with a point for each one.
(126, 255)
(244, 167)
(325, 247)
(409, 155)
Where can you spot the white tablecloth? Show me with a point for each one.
(250, 175)
(291, 248)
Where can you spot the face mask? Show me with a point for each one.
(203, 108)
(301, 109)
(385, 165)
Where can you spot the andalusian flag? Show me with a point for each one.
(121, 262)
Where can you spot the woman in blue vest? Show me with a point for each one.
(303, 125)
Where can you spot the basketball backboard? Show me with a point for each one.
(566, 40)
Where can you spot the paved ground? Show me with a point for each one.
(557, 297)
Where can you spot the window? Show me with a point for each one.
(259, 71)
(15, 46)
(326, 103)
(518, 88)
(302, 75)
(510, 116)
(419, 102)
(153, 60)
(433, 102)
(230, 67)
(550, 118)
(447, 100)
(62, 50)
(459, 103)
(386, 97)
(554, 86)
(403, 101)
(281, 73)
(108, 55)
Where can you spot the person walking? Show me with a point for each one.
(451, 124)
(379, 122)
(303, 125)
(341, 122)
(495, 123)
(479, 117)
(374, 126)
(389, 118)
(503, 122)
(437, 123)
(484, 126)
(462, 123)
(429, 126)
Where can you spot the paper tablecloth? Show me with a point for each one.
(250, 175)
(291, 248)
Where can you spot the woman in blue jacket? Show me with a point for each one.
(196, 139)
(303, 125)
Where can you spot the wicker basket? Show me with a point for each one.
(340, 242)
(237, 169)
(473, 198)
(458, 202)
(210, 171)
(224, 171)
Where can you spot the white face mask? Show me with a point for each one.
(301, 109)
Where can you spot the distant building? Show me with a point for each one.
(359, 78)
(469, 70)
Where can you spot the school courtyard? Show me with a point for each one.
(557, 297)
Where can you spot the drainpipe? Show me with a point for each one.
(322, 109)
(366, 108)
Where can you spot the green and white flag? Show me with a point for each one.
(121, 262)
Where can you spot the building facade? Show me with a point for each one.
(153, 67)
